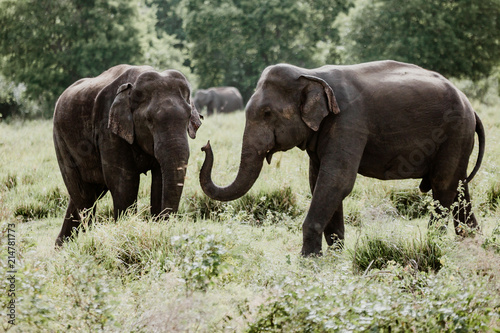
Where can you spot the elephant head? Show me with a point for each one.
(284, 112)
(154, 111)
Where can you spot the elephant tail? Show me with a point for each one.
(481, 136)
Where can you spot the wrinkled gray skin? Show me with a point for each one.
(111, 128)
(385, 120)
(222, 99)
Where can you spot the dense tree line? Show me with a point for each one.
(46, 45)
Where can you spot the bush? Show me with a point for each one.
(410, 203)
(493, 195)
(422, 254)
(43, 205)
(366, 305)
(493, 242)
(252, 208)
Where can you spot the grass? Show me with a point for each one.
(224, 267)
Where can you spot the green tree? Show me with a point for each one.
(47, 45)
(169, 17)
(459, 38)
(232, 41)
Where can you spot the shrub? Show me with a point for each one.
(254, 208)
(493, 195)
(367, 305)
(9, 182)
(422, 254)
(200, 259)
(43, 205)
(134, 247)
(493, 242)
(410, 203)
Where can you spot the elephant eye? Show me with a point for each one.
(137, 95)
(267, 113)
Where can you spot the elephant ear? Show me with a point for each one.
(120, 120)
(319, 100)
(194, 121)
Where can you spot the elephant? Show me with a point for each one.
(382, 119)
(223, 99)
(111, 128)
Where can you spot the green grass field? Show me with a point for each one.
(224, 267)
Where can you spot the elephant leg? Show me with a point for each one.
(462, 212)
(334, 230)
(72, 220)
(81, 201)
(210, 109)
(124, 187)
(334, 182)
(444, 178)
(445, 197)
(156, 191)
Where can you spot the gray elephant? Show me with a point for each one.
(111, 128)
(223, 99)
(386, 120)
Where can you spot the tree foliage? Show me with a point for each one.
(46, 45)
(50, 44)
(233, 41)
(459, 38)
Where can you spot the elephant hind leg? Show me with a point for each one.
(72, 218)
(462, 212)
(450, 196)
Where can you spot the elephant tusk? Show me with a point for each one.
(180, 184)
(269, 157)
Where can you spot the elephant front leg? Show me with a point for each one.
(325, 213)
(334, 230)
(156, 191)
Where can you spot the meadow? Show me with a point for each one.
(236, 266)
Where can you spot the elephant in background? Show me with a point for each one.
(384, 119)
(111, 128)
(223, 99)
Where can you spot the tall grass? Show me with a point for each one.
(224, 267)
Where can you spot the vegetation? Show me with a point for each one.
(455, 38)
(236, 266)
(230, 42)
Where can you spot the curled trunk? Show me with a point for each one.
(249, 170)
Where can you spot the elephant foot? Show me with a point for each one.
(311, 246)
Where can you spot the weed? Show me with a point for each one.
(493, 195)
(410, 203)
(200, 259)
(493, 242)
(42, 205)
(9, 182)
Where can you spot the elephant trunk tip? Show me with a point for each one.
(206, 147)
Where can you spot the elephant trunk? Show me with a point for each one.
(249, 170)
(173, 164)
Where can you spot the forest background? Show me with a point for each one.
(47, 45)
